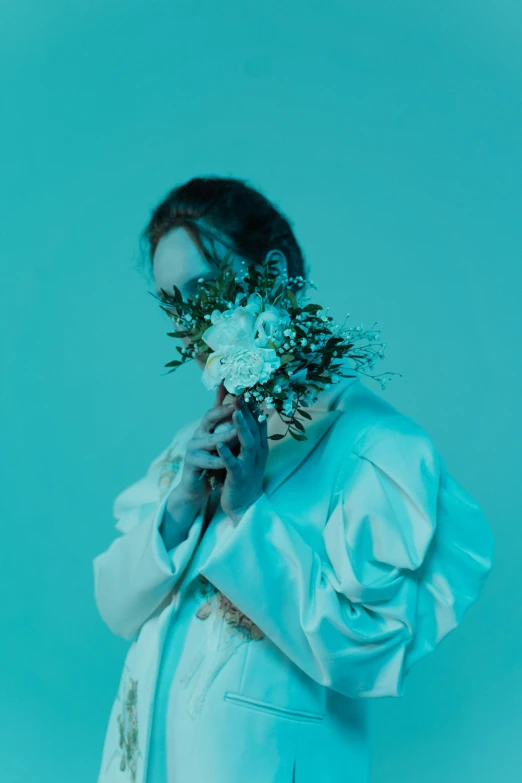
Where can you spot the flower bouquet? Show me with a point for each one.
(267, 342)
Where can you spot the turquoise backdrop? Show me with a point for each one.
(390, 134)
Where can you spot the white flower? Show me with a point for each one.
(239, 357)
(270, 326)
(289, 402)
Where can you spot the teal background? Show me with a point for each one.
(390, 135)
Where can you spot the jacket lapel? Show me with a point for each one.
(285, 455)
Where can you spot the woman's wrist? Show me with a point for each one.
(177, 520)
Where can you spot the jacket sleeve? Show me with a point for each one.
(402, 555)
(136, 573)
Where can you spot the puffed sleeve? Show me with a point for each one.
(136, 573)
(404, 553)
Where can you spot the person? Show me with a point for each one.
(264, 614)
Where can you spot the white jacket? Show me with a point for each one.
(359, 557)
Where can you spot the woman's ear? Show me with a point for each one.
(279, 256)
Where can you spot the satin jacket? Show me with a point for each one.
(357, 560)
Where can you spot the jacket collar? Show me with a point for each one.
(285, 455)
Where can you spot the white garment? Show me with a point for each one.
(194, 653)
(360, 556)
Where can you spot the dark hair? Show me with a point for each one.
(247, 222)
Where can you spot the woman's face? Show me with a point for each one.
(179, 261)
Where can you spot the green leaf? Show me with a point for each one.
(304, 413)
(292, 298)
(173, 364)
(230, 293)
(275, 437)
(298, 425)
(287, 357)
(297, 437)
(169, 312)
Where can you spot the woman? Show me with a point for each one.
(264, 614)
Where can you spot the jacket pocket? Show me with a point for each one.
(263, 706)
(270, 678)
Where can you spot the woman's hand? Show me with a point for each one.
(244, 479)
(192, 489)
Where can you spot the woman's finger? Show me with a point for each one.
(251, 422)
(263, 435)
(260, 430)
(208, 440)
(212, 417)
(221, 393)
(199, 458)
(248, 443)
(232, 464)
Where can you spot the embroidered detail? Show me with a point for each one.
(128, 728)
(215, 648)
(225, 608)
(169, 467)
(204, 611)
